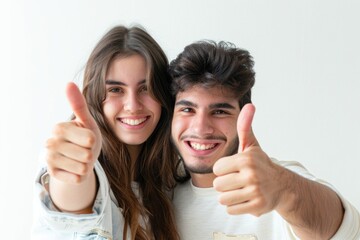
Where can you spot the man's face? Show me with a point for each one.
(204, 127)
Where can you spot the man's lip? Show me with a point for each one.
(202, 147)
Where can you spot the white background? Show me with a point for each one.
(307, 57)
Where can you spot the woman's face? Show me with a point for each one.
(132, 113)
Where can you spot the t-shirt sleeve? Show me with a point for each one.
(350, 226)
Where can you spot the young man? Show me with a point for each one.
(236, 191)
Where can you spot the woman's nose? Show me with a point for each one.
(132, 103)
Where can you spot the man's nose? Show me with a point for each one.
(202, 124)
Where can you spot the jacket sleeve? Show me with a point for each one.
(50, 223)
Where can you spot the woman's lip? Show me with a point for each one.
(133, 117)
(133, 122)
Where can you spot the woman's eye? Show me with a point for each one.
(143, 88)
(115, 90)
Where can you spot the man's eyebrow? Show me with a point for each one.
(222, 105)
(114, 82)
(186, 103)
(211, 106)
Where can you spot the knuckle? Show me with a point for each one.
(259, 204)
(58, 129)
(222, 200)
(256, 190)
(238, 180)
(82, 169)
(88, 156)
(50, 157)
(216, 184)
(51, 144)
(76, 179)
(249, 162)
(90, 139)
(56, 174)
(251, 176)
(231, 211)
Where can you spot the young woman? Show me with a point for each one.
(122, 190)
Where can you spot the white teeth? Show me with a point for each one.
(198, 146)
(133, 122)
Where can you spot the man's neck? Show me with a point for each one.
(202, 180)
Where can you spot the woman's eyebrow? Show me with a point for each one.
(115, 82)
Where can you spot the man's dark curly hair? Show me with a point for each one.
(210, 64)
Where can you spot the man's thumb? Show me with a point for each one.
(244, 129)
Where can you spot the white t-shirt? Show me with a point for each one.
(200, 216)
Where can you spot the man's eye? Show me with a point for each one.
(186, 110)
(219, 112)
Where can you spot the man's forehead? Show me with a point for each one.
(198, 95)
(197, 90)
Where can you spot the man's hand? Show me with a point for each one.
(249, 182)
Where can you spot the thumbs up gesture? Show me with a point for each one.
(248, 181)
(75, 145)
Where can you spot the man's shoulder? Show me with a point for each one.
(287, 164)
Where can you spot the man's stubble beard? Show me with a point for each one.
(231, 150)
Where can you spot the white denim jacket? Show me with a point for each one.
(106, 221)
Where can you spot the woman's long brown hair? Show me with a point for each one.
(156, 163)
